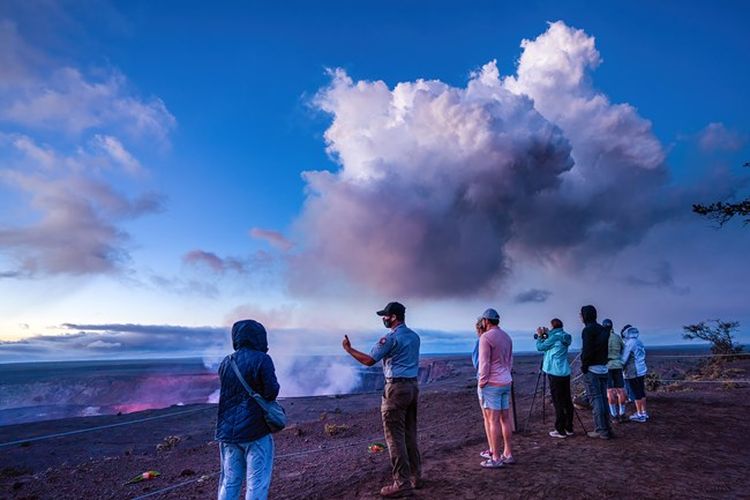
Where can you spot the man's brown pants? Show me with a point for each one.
(399, 412)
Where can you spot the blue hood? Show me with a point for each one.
(251, 334)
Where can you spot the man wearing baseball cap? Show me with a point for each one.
(399, 351)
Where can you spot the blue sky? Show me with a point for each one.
(142, 142)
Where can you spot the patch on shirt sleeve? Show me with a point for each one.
(382, 341)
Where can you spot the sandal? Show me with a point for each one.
(492, 464)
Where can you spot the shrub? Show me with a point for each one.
(652, 382)
(335, 429)
(721, 336)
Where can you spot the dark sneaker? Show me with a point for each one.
(594, 434)
(396, 491)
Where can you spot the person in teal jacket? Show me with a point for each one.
(557, 367)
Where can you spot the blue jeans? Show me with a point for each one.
(254, 459)
(596, 387)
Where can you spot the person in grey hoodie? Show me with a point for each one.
(634, 359)
(557, 367)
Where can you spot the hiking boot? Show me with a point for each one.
(417, 483)
(556, 434)
(396, 491)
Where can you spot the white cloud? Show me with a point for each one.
(273, 238)
(441, 188)
(100, 344)
(717, 137)
(65, 139)
(114, 148)
(77, 231)
(38, 94)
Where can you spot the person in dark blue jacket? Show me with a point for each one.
(244, 438)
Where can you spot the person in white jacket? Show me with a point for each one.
(634, 359)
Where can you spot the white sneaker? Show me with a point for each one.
(569, 433)
(556, 434)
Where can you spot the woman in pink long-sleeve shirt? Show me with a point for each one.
(495, 357)
(495, 365)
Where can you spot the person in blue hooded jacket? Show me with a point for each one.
(557, 367)
(245, 443)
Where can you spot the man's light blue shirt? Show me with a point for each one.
(399, 351)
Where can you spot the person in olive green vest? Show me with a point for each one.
(615, 382)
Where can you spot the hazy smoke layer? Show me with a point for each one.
(439, 186)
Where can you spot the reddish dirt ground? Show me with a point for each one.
(695, 446)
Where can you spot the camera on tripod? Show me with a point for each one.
(541, 333)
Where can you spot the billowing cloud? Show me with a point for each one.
(440, 188)
(717, 137)
(533, 295)
(273, 238)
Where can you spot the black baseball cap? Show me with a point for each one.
(392, 308)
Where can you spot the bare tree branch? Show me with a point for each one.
(722, 212)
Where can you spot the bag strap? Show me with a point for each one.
(236, 369)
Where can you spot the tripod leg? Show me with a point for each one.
(533, 400)
(544, 399)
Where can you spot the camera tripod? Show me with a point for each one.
(541, 378)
